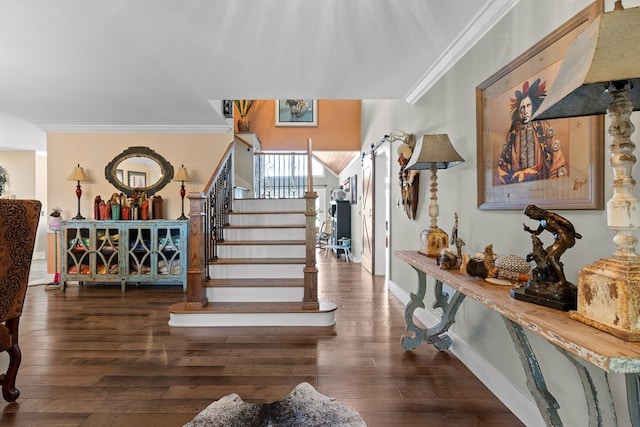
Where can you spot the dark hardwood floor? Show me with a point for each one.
(94, 356)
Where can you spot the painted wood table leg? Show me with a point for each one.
(435, 335)
(545, 401)
(602, 412)
(633, 398)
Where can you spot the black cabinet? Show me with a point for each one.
(340, 223)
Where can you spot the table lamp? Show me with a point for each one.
(597, 76)
(433, 152)
(182, 176)
(78, 174)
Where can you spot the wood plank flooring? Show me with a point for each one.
(94, 356)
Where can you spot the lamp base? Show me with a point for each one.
(182, 218)
(78, 217)
(609, 297)
(432, 241)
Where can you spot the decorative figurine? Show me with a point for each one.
(448, 260)
(548, 285)
(409, 179)
(480, 265)
(510, 268)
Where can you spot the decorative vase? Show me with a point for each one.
(156, 207)
(96, 207)
(115, 212)
(244, 124)
(105, 210)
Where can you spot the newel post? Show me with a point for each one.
(196, 267)
(310, 301)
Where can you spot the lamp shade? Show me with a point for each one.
(78, 174)
(608, 50)
(182, 175)
(434, 150)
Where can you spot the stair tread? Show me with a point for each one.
(265, 226)
(262, 199)
(266, 212)
(262, 242)
(284, 282)
(247, 307)
(221, 261)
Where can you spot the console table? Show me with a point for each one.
(124, 251)
(594, 353)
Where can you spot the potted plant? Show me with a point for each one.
(243, 106)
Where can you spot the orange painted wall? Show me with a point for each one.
(338, 127)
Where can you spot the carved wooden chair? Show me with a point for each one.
(18, 226)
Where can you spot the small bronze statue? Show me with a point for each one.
(548, 285)
(448, 260)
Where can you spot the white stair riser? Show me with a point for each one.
(261, 251)
(280, 219)
(231, 234)
(257, 271)
(195, 319)
(251, 319)
(268, 205)
(255, 294)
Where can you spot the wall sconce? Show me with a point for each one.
(596, 76)
(433, 152)
(78, 174)
(182, 176)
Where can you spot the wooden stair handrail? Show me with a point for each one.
(216, 173)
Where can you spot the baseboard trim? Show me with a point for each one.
(513, 398)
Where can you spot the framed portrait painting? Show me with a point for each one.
(296, 112)
(554, 164)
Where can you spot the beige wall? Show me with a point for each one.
(21, 167)
(200, 153)
(27, 180)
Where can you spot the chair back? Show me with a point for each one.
(18, 227)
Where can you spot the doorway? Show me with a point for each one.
(375, 210)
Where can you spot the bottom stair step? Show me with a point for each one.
(221, 314)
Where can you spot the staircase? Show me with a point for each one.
(258, 278)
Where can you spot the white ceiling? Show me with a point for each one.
(160, 65)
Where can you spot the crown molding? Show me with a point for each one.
(477, 28)
(136, 128)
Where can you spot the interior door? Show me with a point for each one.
(368, 212)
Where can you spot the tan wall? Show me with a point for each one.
(20, 166)
(26, 170)
(338, 127)
(200, 153)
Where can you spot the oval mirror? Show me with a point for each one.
(139, 169)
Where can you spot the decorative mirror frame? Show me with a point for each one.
(166, 170)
